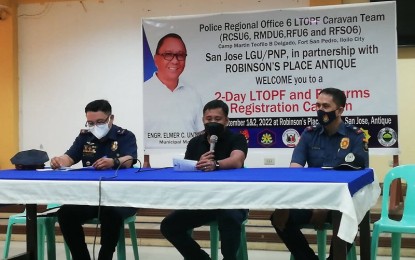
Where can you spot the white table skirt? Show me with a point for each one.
(200, 195)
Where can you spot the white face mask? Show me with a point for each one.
(100, 131)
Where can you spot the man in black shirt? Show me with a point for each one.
(229, 152)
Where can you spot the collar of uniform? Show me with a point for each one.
(341, 129)
(320, 129)
(112, 134)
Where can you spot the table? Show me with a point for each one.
(351, 193)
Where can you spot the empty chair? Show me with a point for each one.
(396, 227)
(45, 229)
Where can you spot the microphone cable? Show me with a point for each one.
(153, 169)
(100, 196)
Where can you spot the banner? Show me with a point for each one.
(269, 67)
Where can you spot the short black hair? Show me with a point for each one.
(170, 35)
(217, 104)
(338, 95)
(99, 105)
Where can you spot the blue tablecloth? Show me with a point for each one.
(355, 179)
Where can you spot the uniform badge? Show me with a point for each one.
(114, 146)
(349, 157)
(344, 143)
(88, 163)
(89, 148)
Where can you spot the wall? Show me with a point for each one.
(8, 85)
(71, 53)
(406, 109)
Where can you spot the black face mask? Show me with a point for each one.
(214, 128)
(325, 118)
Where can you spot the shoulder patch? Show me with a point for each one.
(84, 131)
(121, 131)
(311, 128)
(355, 129)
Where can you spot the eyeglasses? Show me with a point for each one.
(98, 123)
(169, 56)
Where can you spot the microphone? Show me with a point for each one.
(213, 140)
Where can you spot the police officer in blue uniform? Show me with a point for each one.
(326, 144)
(102, 146)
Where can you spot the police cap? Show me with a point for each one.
(30, 159)
(351, 162)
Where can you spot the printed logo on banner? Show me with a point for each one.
(367, 135)
(290, 137)
(387, 136)
(245, 133)
(266, 138)
(366, 139)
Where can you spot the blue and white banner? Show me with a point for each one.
(269, 66)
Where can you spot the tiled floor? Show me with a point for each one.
(165, 253)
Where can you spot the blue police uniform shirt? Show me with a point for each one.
(318, 149)
(117, 143)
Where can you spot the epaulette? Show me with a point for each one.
(121, 131)
(311, 128)
(84, 131)
(355, 129)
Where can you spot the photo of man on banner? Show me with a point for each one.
(172, 109)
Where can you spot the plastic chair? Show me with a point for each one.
(322, 241)
(130, 221)
(45, 228)
(407, 223)
(214, 242)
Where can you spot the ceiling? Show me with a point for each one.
(47, 1)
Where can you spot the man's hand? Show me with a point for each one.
(56, 162)
(61, 161)
(103, 163)
(206, 162)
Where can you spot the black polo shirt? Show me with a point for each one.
(227, 142)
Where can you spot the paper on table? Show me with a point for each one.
(184, 165)
(76, 169)
(66, 169)
(45, 169)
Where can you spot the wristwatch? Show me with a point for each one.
(217, 165)
(116, 162)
